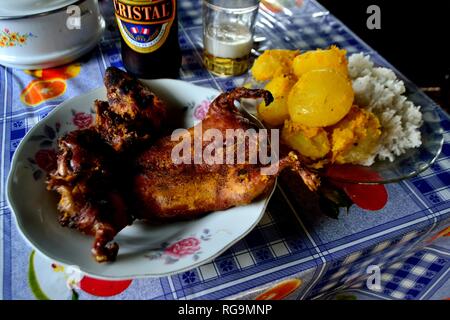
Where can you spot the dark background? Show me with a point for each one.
(414, 37)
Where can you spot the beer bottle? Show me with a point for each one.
(149, 36)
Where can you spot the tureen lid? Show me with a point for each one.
(21, 8)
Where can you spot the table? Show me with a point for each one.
(291, 254)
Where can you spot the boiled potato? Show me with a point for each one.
(310, 142)
(273, 62)
(332, 58)
(320, 98)
(275, 113)
(355, 137)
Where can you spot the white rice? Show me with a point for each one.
(379, 91)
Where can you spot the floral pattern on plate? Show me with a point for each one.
(172, 253)
(82, 120)
(44, 159)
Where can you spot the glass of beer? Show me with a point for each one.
(228, 27)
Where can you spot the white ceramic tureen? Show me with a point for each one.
(37, 34)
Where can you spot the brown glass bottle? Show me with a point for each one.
(149, 30)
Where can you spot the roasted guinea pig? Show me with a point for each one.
(164, 190)
(132, 114)
(91, 174)
(120, 169)
(87, 181)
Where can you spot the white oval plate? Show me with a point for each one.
(144, 250)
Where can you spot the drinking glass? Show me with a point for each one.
(228, 27)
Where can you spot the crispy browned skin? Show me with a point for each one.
(90, 198)
(132, 114)
(115, 130)
(165, 190)
(92, 164)
(95, 166)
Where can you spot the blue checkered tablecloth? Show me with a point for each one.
(408, 239)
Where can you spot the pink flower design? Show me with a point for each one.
(82, 120)
(183, 247)
(201, 110)
(46, 159)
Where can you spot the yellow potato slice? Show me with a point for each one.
(320, 98)
(310, 142)
(273, 62)
(355, 137)
(332, 58)
(275, 113)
